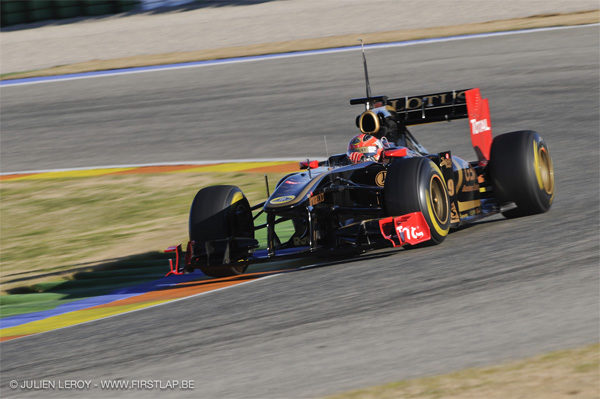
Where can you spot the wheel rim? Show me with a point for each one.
(546, 170)
(439, 199)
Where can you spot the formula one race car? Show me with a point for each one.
(403, 196)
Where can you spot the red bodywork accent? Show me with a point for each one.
(411, 229)
(480, 124)
(178, 268)
(309, 164)
(396, 153)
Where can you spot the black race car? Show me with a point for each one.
(408, 197)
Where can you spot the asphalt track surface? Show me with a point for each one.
(497, 291)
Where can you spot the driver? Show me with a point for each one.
(363, 148)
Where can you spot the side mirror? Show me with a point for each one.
(309, 164)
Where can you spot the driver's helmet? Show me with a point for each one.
(364, 147)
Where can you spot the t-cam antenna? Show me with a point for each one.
(368, 102)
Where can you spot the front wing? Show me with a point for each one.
(395, 231)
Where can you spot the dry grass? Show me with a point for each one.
(565, 374)
(577, 18)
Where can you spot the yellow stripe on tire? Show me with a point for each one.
(237, 197)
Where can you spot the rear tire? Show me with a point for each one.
(521, 171)
(417, 185)
(219, 212)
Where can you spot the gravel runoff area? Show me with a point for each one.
(215, 24)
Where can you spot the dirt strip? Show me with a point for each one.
(572, 373)
(570, 19)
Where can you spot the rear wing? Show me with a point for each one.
(428, 108)
(436, 107)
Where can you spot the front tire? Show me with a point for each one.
(522, 172)
(417, 185)
(219, 212)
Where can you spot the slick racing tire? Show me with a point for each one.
(417, 185)
(521, 172)
(220, 212)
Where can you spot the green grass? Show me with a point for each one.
(284, 231)
(32, 303)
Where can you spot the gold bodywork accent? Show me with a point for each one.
(453, 214)
(317, 199)
(282, 200)
(380, 178)
(375, 118)
(468, 205)
(303, 193)
(451, 187)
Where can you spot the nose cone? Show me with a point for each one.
(293, 189)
